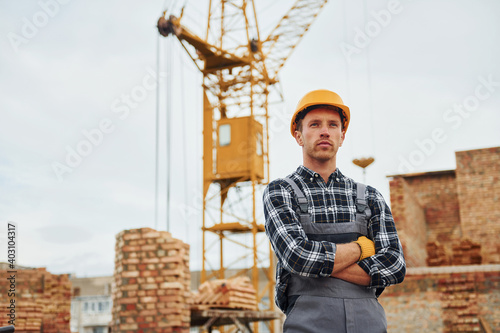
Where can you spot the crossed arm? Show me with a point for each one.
(346, 267)
(305, 257)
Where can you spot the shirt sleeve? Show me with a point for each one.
(387, 266)
(296, 253)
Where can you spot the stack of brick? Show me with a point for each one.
(459, 304)
(57, 314)
(29, 316)
(436, 254)
(43, 301)
(466, 252)
(237, 293)
(152, 283)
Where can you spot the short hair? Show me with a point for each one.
(301, 115)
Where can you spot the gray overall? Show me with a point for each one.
(328, 304)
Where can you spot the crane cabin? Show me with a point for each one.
(239, 149)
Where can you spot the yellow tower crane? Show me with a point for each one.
(239, 69)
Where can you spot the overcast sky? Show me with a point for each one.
(422, 79)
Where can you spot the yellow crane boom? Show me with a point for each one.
(283, 39)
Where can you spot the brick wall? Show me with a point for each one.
(410, 222)
(435, 194)
(445, 299)
(478, 184)
(461, 218)
(42, 301)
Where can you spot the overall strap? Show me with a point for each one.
(301, 199)
(363, 212)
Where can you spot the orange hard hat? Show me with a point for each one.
(320, 97)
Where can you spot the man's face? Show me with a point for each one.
(321, 134)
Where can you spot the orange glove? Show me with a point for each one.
(366, 246)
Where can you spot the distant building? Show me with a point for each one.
(91, 304)
(442, 209)
(448, 222)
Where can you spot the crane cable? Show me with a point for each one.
(347, 72)
(157, 123)
(368, 76)
(369, 79)
(184, 139)
(157, 120)
(168, 131)
(169, 66)
(168, 121)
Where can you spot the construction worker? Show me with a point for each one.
(335, 239)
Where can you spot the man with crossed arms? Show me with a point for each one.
(338, 249)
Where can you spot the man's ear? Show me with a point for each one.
(298, 138)
(342, 138)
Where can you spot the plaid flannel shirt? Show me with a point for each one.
(331, 202)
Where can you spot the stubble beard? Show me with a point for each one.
(320, 154)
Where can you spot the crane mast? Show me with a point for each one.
(239, 71)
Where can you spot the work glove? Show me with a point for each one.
(366, 246)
